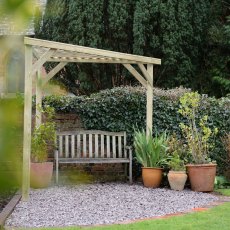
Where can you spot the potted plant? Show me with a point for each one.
(177, 175)
(151, 154)
(43, 139)
(201, 170)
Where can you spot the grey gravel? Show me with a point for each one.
(101, 204)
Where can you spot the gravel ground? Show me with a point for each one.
(101, 204)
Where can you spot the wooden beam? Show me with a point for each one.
(54, 71)
(136, 74)
(88, 50)
(39, 63)
(27, 124)
(91, 60)
(145, 73)
(149, 104)
(38, 99)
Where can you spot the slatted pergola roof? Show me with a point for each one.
(38, 52)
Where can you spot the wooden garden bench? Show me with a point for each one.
(92, 146)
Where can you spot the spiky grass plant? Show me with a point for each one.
(151, 152)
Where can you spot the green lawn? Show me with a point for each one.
(225, 192)
(215, 218)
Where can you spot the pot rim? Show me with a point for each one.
(201, 165)
(152, 168)
(179, 172)
(45, 162)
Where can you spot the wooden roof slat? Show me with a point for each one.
(88, 50)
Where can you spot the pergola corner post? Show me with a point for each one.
(38, 98)
(27, 123)
(149, 98)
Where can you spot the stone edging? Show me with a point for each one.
(9, 208)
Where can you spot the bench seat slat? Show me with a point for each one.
(92, 160)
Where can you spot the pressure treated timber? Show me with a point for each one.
(90, 141)
(27, 124)
(42, 60)
(53, 72)
(136, 74)
(149, 104)
(88, 50)
(49, 51)
(145, 73)
(38, 119)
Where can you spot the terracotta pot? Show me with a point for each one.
(41, 174)
(152, 177)
(177, 180)
(202, 177)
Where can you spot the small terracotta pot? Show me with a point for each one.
(202, 177)
(177, 180)
(41, 174)
(152, 177)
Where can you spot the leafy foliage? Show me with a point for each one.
(191, 38)
(150, 152)
(43, 137)
(178, 153)
(122, 108)
(196, 133)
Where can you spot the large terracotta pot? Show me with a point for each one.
(202, 177)
(41, 174)
(177, 180)
(152, 177)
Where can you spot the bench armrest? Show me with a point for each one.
(130, 151)
(128, 147)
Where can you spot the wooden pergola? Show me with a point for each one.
(38, 52)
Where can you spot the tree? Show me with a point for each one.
(191, 38)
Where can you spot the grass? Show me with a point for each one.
(212, 219)
(225, 192)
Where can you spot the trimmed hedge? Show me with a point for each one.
(123, 108)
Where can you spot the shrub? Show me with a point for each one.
(122, 108)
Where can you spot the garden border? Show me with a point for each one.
(8, 209)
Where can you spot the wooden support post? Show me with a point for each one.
(27, 123)
(38, 99)
(149, 104)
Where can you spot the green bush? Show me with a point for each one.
(123, 108)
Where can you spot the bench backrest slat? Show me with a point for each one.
(72, 146)
(91, 144)
(102, 146)
(108, 146)
(119, 147)
(78, 145)
(84, 145)
(66, 146)
(60, 146)
(114, 146)
(96, 145)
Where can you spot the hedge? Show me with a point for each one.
(124, 108)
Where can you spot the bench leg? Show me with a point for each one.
(126, 174)
(130, 167)
(56, 163)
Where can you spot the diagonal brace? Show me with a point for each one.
(54, 71)
(145, 73)
(39, 63)
(136, 74)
